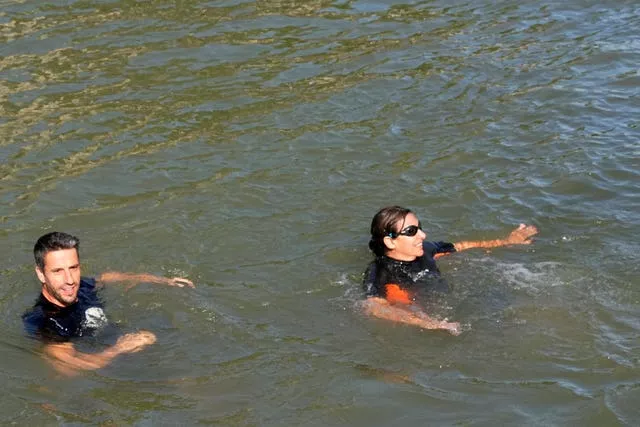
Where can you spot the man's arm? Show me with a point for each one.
(133, 279)
(520, 236)
(380, 307)
(68, 361)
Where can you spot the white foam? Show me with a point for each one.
(535, 276)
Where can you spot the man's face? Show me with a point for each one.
(61, 277)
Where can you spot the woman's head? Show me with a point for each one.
(396, 232)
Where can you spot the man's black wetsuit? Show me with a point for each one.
(408, 275)
(83, 317)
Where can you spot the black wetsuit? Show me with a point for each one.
(421, 273)
(83, 317)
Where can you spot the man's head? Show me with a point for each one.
(58, 267)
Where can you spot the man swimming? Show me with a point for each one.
(69, 307)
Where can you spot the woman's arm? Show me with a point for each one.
(381, 308)
(520, 236)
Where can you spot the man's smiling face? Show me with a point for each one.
(60, 277)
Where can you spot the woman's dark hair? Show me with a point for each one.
(54, 241)
(382, 225)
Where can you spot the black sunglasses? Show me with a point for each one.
(409, 231)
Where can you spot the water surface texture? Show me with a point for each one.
(246, 145)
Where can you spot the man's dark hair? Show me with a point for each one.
(382, 225)
(54, 241)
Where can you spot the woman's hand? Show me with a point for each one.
(452, 327)
(180, 282)
(521, 235)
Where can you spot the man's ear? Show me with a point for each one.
(40, 275)
(389, 243)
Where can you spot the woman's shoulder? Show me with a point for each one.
(439, 247)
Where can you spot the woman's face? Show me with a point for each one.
(404, 247)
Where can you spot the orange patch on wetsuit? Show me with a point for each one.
(395, 294)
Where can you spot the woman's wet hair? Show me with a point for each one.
(54, 241)
(383, 224)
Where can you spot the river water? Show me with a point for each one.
(246, 145)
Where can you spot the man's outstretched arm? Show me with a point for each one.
(381, 308)
(68, 361)
(520, 236)
(135, 278)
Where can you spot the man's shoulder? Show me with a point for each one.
(35, 319)
(88, 282)
(38, 310)
(88, 290)
(34, 315)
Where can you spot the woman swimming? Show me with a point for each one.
(405, 263)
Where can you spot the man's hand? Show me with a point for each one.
(134, 342)
(521, 235)
(180, 282)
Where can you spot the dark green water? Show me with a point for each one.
(246, 145)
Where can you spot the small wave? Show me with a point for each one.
(534, 277)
